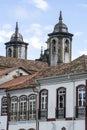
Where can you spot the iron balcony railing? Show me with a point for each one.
(60, 112)
(80, 111)
(42, 114)
(27, 115)
(22, 115)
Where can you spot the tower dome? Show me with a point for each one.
(16, 47)
(60, 26)
(16, 36)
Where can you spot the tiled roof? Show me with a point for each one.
(6, 71)
(76, 66)
(20, 82)
(30, 65)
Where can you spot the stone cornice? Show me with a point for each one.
(62, 78)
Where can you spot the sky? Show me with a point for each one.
(37, 18)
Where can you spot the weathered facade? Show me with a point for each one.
(35, 96)
(16, 47)
(59, 45)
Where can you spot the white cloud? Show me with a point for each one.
(49, 28)
(1, 39)
(41, 4)
(6, 26)
(37, 29)
(77, 34)
(5, 33)
(38, 35)
(35, 41)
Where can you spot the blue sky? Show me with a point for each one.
(36, 19)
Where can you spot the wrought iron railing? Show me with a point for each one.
(22, 115)
(80, 111)
(60, 113)
(42, 114)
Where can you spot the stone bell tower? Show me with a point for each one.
(16, 47)
(59, 44)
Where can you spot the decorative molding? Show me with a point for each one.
(62, 78)
(51, 119)
(70, 118)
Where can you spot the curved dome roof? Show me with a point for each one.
(16, 36)
(60, 27)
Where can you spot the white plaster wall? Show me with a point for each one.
(52, 98)
(51, 125)
(70, 97)
(22, 55)
(3, 122)
(22, 125)
(58, 125)
(10, 75)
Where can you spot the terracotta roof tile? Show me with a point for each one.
(30, 65)
(20, 82)
(6, 71)
(76, 66)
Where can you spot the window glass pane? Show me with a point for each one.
(4, 105)
(61, 96)
(44, 99)
(32, 107)
(23, 107)
(81, 96)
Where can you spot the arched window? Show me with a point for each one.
(14, 108)
(4, 106)
(61, 102)
(32, 107)
(66, 46)
(43, 103)
(20, 49)
(53, 46)
(80, 100)
(63, 128)
(31, 129)
(9, 52)
(23, 107)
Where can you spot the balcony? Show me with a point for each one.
(80, 112)
(60, 113)
(22, 116)
(27, 115)
(42, 114)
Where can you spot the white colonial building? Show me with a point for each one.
(35, 96)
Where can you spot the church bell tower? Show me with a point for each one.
(16, 47)
(59, 44)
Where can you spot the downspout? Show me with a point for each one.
(8, 109)
(73, 103)
(86, 108)
(73, 118)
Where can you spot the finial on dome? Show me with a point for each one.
(60, 17)
(16, 29)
